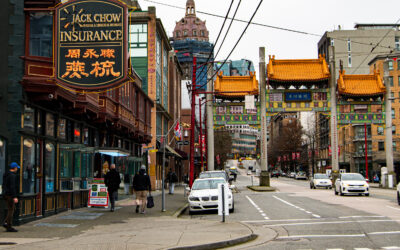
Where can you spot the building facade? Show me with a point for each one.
(355, 48)
(61, 138)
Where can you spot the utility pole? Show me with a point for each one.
(210, 120)
(388, 128)
(201, 137)
(334, 133)
(366, 151)
(264, 176)
(192, 123)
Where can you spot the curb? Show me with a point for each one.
(220, 244)
(180, 211)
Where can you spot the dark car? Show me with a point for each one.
(275, 174)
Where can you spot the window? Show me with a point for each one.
(380, 130)
(194, 32)
(77, 164)
(61, 129)
(49, 124)
(397, 43)
(165, 79)
(185, 33)
(2, 161)
(138, 40)
(158, 71)
(349, 60)
(393, 129)
(29, 118)
(49, 168)
(178, 34)
(77, 133)
(65, 162)
(332, 42)
(40, 35)
(28, 167)
(392, 96)
(393, 114)
(348, 45)
(390, 81)
(390, 65)
(202, 33)
(394, 146)
(381, 146)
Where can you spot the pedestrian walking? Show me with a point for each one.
(141, 184)
(112, 181)
(10, 193)
(127, 178)
(171, 179)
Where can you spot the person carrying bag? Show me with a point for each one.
(141, 184)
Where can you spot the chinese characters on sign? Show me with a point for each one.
(90, 45)
(297, 96)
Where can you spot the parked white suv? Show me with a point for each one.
(351, 183)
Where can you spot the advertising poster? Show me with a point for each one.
(98, 195)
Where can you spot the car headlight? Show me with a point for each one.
(192, 198)
(365, 185)
(346, 185)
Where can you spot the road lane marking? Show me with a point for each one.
(388, 232)
(361, 216)
(297, 207)
(362, 249)
(394, 208)
(389, 248)
(327, 222)
(258, 208)
(262, 221)
(321, 236)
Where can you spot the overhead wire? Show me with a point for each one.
(223, 40)
(269, 26)
(237, 42)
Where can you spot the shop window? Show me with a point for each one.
(65, 162)
(77, 133)
(86, 168)
(29, 118)
(50, 167)
(62, 131)
(2, 161)
(77, 164)
(40, 35)
(28, 167)
(50, 125)
(86, 136)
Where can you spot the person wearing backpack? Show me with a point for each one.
(10, 193)
(141, 184)
(171, 179)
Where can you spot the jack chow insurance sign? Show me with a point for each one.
(90, 43)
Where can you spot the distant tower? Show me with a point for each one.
(191, 27)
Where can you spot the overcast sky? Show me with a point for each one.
(311, 16)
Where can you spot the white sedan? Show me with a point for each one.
(204, 195)
(320, 180)
(351, 183)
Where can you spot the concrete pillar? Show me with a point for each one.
(388, 127)
(264, 177)
(210, 119)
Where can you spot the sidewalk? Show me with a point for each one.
(98, 228)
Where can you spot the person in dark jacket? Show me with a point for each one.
(171, 179)
(112, 181)
(10, 193)
(141, 184)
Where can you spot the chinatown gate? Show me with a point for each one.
(308, 85)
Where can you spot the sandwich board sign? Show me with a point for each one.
(98, 194)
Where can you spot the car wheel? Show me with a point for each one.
(326, 187)
(398, 198)
(341, 193)
(330, 187)
(311, 187)
(191, 212)
(367, 194)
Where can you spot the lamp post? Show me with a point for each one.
(192, 123)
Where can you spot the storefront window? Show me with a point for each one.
(77, 133)
(40, 36)
(29, 118)
(62, 129)
(65, 163)
(39, 129)
(2, 161)
(28, 167)
(77, 164)
(50, 125)
(86, 136)
(86, 169)
(50, 157)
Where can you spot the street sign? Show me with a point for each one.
(182, 142)
(223, 203)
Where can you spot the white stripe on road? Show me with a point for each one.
(259, 210)
(389, 232)
(321, 236)
(394, 208)
(262, 221)
(389, 248)
(327, 222)
(361, 216)
(297, 207)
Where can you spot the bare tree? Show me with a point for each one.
(222, 146)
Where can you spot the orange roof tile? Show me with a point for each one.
(233, 85)
(360, 85)
(297, 70)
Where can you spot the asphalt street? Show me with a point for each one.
(315, 219)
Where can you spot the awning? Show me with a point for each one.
(113, 152)
(172, 151)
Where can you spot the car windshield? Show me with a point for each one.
(206, 184)
(301, 173)
(212, 175)
(353, 177)
(320, 176)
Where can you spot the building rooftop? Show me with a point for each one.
(236, 84)
(360, 85)
(298, 70)
(376, 26)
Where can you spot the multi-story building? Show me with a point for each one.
(191, 38)
(322, 125)
(61, 138)
(355, 48)
(241, 67)
(150, 55)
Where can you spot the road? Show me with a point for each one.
(316, 219)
